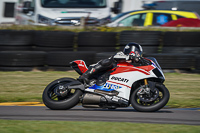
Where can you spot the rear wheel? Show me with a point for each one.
(58, 97)
(150, 103)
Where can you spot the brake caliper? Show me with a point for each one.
(146, 95)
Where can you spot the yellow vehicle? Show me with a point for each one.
(150, 17)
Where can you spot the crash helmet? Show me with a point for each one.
(133, 48)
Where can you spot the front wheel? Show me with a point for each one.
(145, 103)
(57, 97)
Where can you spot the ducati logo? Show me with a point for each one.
(120, 79)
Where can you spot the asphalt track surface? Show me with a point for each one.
(78, 113)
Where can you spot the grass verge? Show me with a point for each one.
(28, 86)
(96, 28)
(18, 126)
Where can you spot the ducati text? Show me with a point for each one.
(120, 79)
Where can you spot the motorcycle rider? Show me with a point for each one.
(131, 53)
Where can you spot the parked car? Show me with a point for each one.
(183, 22)
(149, 17)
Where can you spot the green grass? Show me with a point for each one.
(94, 28)
(17, 126)
(28, 86)
(184, 90)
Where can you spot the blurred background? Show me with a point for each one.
(48, 34)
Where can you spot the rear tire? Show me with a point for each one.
(159, 103)
(60, 103)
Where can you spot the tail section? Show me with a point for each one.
(79, 66)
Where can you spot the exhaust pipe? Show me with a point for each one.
(92, 100)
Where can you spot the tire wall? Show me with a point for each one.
(11, 40)
(97, 41)
(54, 40)
(149, 40)
(186, 46)
(53, 50)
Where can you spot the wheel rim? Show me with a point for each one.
(55, 93)
(155, 101)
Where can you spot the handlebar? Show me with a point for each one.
(141, 60)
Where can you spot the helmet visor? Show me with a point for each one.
(137, 52)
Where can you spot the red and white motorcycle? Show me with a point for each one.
(141, 86)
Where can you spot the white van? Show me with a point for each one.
(62, 12)
(7, 11)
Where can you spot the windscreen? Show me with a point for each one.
(155, 61)
(74, 3)
(118, 16)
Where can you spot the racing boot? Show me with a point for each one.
(100, 66)
(85, 77)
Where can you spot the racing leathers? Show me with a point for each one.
(104, 65)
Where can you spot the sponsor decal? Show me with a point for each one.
(106, 87)
(81, 65)
(114, 98)
(119, 79)
(111, 86)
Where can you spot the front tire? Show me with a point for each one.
(57, 102)
(155, 105)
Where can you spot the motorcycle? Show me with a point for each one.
(139, 85)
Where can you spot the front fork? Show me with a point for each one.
(145, 89)
(145, 82)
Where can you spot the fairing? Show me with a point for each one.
(122, 77)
